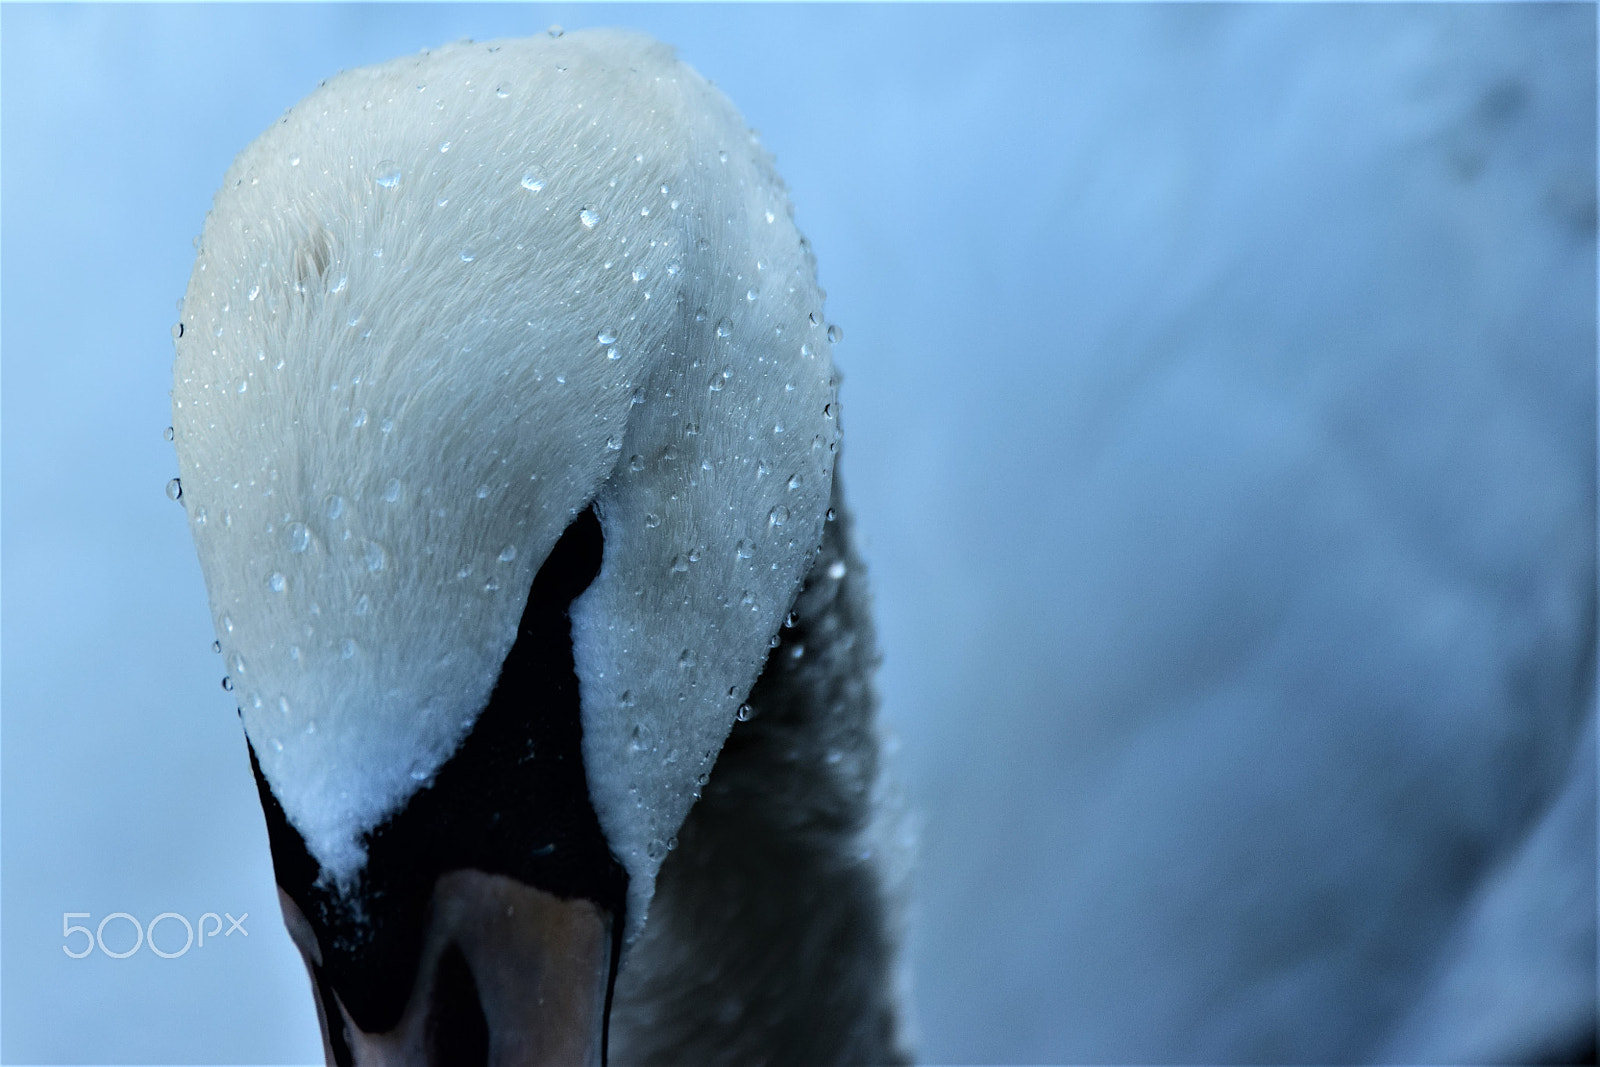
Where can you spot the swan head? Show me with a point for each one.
(506, 421)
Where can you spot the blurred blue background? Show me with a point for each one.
(1220, 394)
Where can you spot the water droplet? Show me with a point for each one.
(606, 337)
(502, 91)
(468, 255)
(796, 482)
(640, 274)
(363, 604)
(175, 490)
(237, 664)
(745, 713)
(227, 683)
(419, 775)
(651, 520)
(277, 745)
(360, 420)
(744, 549)
(373, 555)
(750, 295)
(679, 564)
(763, 468)
(391, 492)
(836, 569)
(627, 701)
(533, 179)
(299, 537)
(805, 350)
(227, 625)
(276, 582)
(337, 283)
(444, 146)
(465, 572)
(333, 506)
(483, 492)
(835, 334)
(722, 157)
(508, 553)
(686, 659)
(177, 331)
(614, 443)
(347, 648)
(199, 516)
(636, 462)
(294, 160)
(168, 433)
(778, 515)
(555, 31)
(388, 174)
(387, 426)
(589, 217)
(656, 850)
(789, 620)
(244, 386)
(216, 646)
(724, 327)
(612, 353)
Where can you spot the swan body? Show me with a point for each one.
(488, 350)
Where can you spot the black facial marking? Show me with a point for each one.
(512, 800)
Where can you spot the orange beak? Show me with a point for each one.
(508, 975)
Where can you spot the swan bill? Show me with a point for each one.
(508, 974)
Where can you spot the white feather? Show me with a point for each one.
(440, 307)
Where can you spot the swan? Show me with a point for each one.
(507, 431)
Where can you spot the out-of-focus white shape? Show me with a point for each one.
(1517, 977)
(1243, 627)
